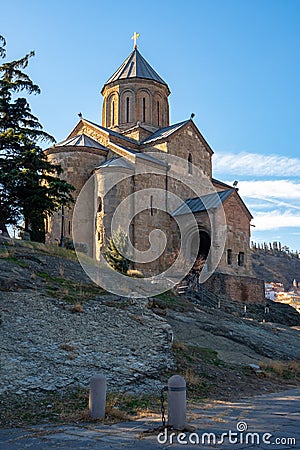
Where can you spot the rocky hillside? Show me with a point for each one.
(58, 329)
(280, 268)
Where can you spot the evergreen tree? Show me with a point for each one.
(30, 187)
(116, 249)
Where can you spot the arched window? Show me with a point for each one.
(113, 113)
(127, 110)
(158, 113)
(241, 259)
(190, 164)
(99, 204)
(229, 256)
(151, 205)
(144, 110)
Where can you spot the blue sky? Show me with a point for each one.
(234, 63)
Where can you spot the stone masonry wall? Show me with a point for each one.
(240, 289)
(77, 166)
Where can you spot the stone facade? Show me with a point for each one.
(126, 103)
(241, 289)
(135, 121)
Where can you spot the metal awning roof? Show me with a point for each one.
(204, 203)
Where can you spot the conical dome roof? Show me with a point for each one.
(135, 66)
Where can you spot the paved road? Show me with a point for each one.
(272, 422)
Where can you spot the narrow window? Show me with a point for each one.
(99, 204)
(241, 258)
(151, 205)
(190, 164)
(158, 118)
(113, 113)
(229, 256)
(69, 228)
(127, 109)
(144, 109)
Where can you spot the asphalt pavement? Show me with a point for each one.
(271, 421)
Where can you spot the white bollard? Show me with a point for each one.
(177, 402)
(97, 398)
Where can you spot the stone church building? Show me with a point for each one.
(136, 133)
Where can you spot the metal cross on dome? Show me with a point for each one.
(134, 37)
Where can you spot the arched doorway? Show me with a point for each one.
(200, 246)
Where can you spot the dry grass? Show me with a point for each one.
(72, 406)
(67, 347)
(288, 370)
(78, 308)
(4, 253)
(179, 345)
(134, 273)
(191, 377)
(137, 318)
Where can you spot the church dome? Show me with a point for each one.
(135, 66)
(135, 95)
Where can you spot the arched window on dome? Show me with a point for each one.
(144, 109)
(190, 163)
(127, 109)
(158, 112)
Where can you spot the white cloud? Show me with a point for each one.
(255, 164)
(276, 219)
(267, 190)
(273, 196)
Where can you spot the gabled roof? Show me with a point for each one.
(110, 132)
(137, 155)
(204, 203)
(220, 183)
(216, 182)
(163, 133)
(135, 66)
(81, 140)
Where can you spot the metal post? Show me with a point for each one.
(177, 402)
(97, 398)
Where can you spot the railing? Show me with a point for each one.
(200, 295)
(203, 297)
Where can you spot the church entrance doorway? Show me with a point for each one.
(200, 246)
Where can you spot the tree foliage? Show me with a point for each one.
(30, 186)
(275, 248)
(116, 251)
